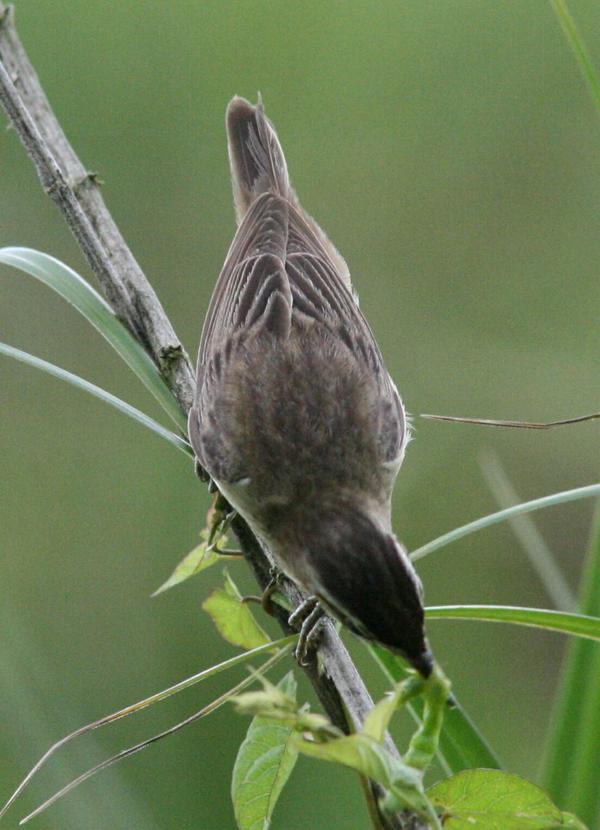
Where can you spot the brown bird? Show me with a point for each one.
(295, 416)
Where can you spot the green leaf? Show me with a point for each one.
(570, 820)
(264, 763)
(570, 767)
(461, 744)
(233, 618)
(579, 625)
(274, 702)
(378, 719)
(366, 756)
(197, 560)
(504, 515)
(80, 383)
(494, 800)
(360, 752)
(96, 310)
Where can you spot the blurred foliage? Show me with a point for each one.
(451, 152)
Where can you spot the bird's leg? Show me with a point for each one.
(311, 618)
(270, 588)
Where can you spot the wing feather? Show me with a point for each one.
(280, 272)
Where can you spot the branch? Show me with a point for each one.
(76, 193)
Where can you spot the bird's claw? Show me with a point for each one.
(265, 599)
(311, 619)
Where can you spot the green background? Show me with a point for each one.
(451, 152)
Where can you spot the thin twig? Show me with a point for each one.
(488, 422)
(76, 192)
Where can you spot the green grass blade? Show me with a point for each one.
(537, 551)
(80, 383)
(579, 625)
(283, 644)
(588, 70)
(133, 750)
(76, 291)
(504, 515)
(570, 766)
(461, 744)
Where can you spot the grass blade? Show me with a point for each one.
(579, 625)
(102, 394)
(143, 704)
(503, 516)
(461, 744)
(570, 766)
(540, 556)
(132, 750)
(76, 291)
(588, 70)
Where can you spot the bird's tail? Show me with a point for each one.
(255, 155)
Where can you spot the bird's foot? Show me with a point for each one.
(311, 619)
(265, 600)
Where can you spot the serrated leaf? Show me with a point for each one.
(495, 800)
(193, 563)
(233, 618)
(264, 763)
(360, 752)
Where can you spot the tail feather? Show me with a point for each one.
(255, 155)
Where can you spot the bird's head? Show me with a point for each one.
(363, 575)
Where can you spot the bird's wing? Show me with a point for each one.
(252, 295)
(321, 291)
(280, 271)
(253, 274)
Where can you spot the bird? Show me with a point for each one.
(295, 417)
